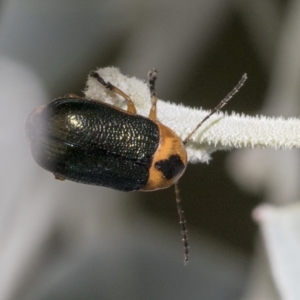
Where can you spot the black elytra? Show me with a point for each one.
(93, 143)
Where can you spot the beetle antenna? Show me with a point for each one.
(182, 223)
(219, 106)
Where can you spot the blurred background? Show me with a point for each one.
(62, 240)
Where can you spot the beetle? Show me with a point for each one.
(92, 142)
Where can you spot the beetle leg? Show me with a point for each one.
(59, 177)
(71, 96)
(152, 75)
(109, 86)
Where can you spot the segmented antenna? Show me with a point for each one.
(182, 223)
(219, 106)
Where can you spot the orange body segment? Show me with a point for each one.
(169, 160)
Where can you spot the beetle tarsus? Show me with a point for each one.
(59, 177)
(107, 84)
(130, 105)
(152, 76)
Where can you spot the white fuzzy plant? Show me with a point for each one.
(220, 132)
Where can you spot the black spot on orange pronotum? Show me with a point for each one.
(170, 167)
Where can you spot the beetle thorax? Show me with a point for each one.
(169, 161)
